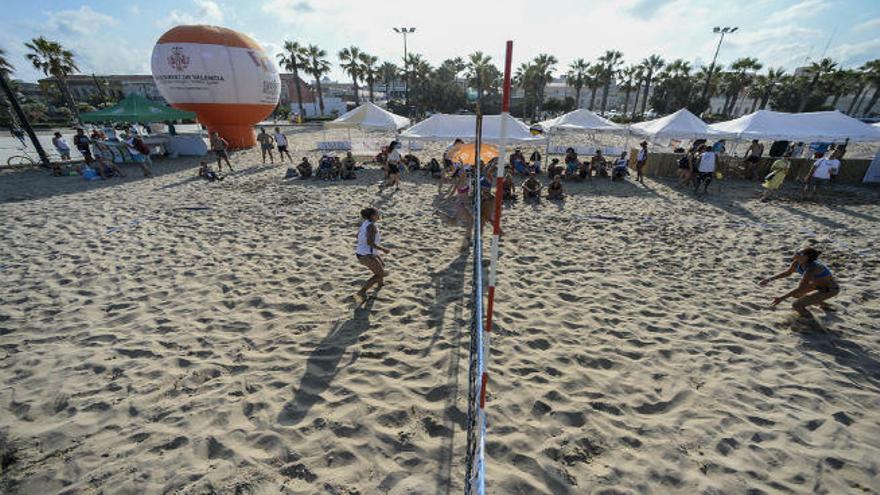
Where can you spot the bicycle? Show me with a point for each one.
(24, 160)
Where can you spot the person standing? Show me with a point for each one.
(266, 145)
(83, 144)
(641, 161)
(220, 147)
(753, 156)
(61, 146)
(393, 164)
(776, 177)
(820, 175)
(281, 141)
(705, 169)
(367, 251)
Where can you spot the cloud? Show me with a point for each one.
(868, 25)
(646, 9)
(855, 54)
(798, 11)
(77, 22)
(207, 12)
(285, 6)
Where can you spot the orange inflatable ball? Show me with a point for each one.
(223, 76)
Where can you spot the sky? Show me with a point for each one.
(117, 37)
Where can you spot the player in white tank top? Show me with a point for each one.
(368, 249)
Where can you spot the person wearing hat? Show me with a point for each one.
(641, 160)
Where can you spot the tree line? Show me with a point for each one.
(456, 83)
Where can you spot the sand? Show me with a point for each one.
(170, 335)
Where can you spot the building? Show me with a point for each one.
(85, 87)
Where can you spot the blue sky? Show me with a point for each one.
(117, 36)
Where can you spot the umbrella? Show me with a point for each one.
(136, 108)
(465, 153)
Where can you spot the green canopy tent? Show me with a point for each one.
(136, 108)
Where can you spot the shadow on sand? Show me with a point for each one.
(323, 364)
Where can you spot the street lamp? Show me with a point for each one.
(722, 31)
(405, 31)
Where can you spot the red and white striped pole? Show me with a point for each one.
(499, 187)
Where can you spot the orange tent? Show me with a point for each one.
(465, 153)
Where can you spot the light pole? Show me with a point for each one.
(405, 31)
(722, 31)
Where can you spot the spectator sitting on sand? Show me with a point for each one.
(412, 162)
(535, 162)
(599, 164)
(554, 168)
(508, 187)
(304, 168)
(621, 169)
(518, 162)
(571, 163)
(349, 161)
(346, 168)
(325, 168)
(532, 188)
(817, 283)
(583, 171)
(206, 172)
(434, 168)
(554, 190)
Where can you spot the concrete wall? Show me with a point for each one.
(666, 165)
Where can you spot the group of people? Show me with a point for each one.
(330, 167)
(574, 169)
(98, 157)
(269, 142)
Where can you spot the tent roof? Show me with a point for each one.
(370, 117)
(679, 125)
(580, 120)
(808, 126)
(444, 127)
(136, 108)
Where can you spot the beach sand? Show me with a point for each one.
(170, 335)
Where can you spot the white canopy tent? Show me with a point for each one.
(807, 127)
(580, 120)
(679, 125)
(444, 127)
(370, 117)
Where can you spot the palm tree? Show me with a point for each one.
(839, 83)
(350, 63)
(420, 77)
(638, 77)
(545, 65)
(770, 81)
(741, 78)
(872, 73)
(524, 78)
(477, 71)
(317, 65)
(54, 60)
(627, 76)
(6, 70)
(818, 70)
(610, 61)
(577, 77)
(368, 69)
(388, 72)
(860, 82)
(650, 65)
(594, 81)
(291, 59)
